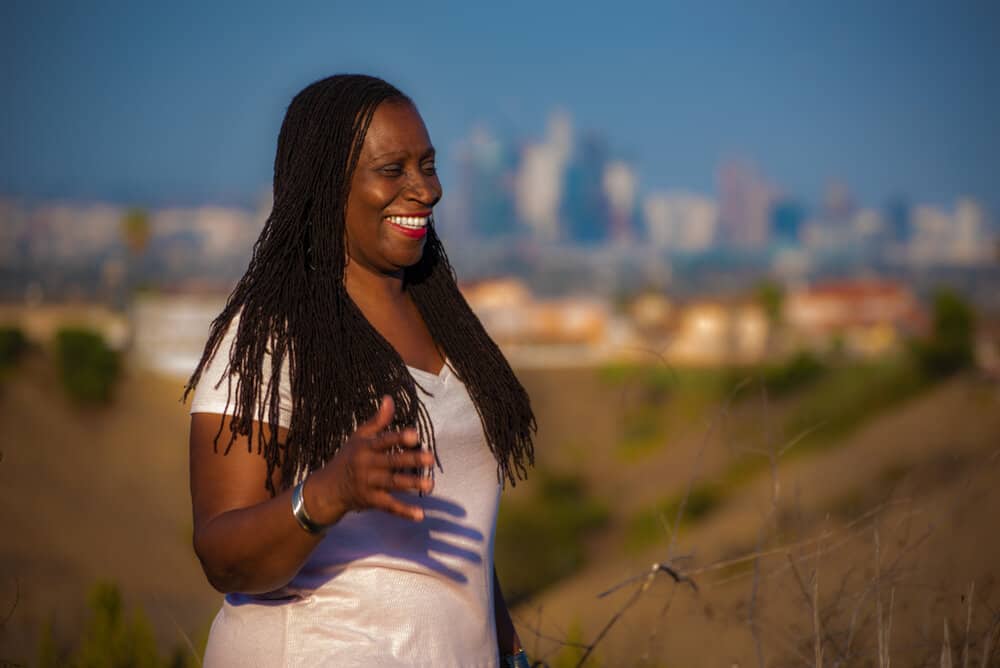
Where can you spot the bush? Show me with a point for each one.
(646, 528)
(109, 639)
(87, 367)
(949, 348)
(795, 373)
(13, 344)
(541, 540)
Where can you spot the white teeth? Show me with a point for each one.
(410, 222)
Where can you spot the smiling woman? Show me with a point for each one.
(369, 420)
(393, 191)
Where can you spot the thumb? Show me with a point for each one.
(382, 418)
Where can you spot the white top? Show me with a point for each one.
(380, 590)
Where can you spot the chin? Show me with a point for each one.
(408, 258)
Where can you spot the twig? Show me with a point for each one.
(946, 648)
(968, 626)
(13, 606)
(187, 638)
(989, 641)
(817, 635)
(878, 599)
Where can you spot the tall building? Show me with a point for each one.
(897, 219)
(972, 240)
(787, 217)
(540, 176)
(485, 203)
(680, 222)
(585, 207)
(744, 206)
(620, 186)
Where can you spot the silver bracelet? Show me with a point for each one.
(518, 659)
(300, 513)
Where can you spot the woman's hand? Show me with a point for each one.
(373, 463)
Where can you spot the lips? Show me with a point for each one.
(411, 225)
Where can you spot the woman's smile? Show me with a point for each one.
(393, 192)
(411, 225)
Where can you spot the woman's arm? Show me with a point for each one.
(507, 637)
(248, 541)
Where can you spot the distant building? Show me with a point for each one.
(512, 315)
(897, 217)
(862, 317)
(680, 222)
(565, 331)
(787, 217)
(714, 332)
(170, 331)
(585, 207)
(620, 186)
(540, 180)
(963, 238)
(485, 207)
(745, 202)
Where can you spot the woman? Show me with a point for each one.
(367, 420)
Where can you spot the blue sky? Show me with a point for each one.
(163, 103)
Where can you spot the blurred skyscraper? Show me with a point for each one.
(586, 208)
(745, 201)
(539, 184)
(787, 216)
(680, 222)
(897, 217)
(484, 205)
(620, 186)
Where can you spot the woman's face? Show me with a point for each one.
(393, 190)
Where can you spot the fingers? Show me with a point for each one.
(390, 504)
(382, 418)
(387, 440)
(396, 480)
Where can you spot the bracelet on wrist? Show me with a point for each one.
(300, 513)
(518, 659)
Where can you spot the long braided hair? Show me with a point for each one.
(291, 305)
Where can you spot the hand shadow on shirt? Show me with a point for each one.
(441, 537)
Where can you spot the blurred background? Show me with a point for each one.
(745, 258)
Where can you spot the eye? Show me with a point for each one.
(429, 167)
(393, 169)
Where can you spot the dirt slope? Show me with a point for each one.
(89, 495)
(935, 461)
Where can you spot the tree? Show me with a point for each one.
(949, 347)
(135, 230)
(88, 368)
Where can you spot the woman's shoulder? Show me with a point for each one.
(215, 391)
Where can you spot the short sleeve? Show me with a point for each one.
(212, 394)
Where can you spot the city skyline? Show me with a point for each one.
(148, 106)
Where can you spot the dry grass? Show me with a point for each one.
(818, 591)
(783, 571)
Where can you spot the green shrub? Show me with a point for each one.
(848, 397)
(646, 528)
(110, 640)
(949, 348)
(13, 344)
(541, 540)
(798, 371)
(87, 367)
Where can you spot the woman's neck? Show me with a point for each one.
(368, 287)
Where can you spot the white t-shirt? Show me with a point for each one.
(380, 590)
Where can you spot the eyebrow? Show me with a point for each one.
(430, 152)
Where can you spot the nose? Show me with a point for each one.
(424, 188)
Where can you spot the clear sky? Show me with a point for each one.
(180, 102)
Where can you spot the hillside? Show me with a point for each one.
(924, 472)
(89, 495)
(95, 494)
